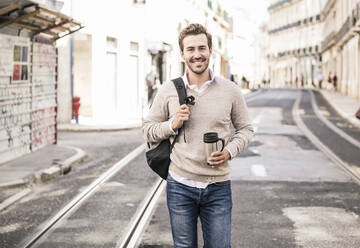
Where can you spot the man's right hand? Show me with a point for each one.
(181, 115)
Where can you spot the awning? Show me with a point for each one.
(25, 14)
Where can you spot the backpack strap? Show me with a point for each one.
(180, 88)
(181, 91)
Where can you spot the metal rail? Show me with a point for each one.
(80, 198)
(132, 237)
(252, 96)
(344, 166)
(330, 124)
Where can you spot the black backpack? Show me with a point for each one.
(158, 158)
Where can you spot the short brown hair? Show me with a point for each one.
(193, 29)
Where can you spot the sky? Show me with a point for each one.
(241, 51)
(255, 9)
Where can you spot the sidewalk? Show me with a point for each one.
(38, 166)
(16, 176)
(91, 125)
(346, 106)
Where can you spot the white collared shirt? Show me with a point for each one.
(194, 86)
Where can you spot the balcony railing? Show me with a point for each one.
(350, 23)
(343, 30)
(328, 40)
(311, 19)
(356, 14)
(311, 50)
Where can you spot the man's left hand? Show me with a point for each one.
(218, 158)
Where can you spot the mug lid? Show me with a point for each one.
(211, 137)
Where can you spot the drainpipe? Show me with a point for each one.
(71, 62)
(72, 66)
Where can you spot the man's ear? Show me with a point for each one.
(210, 49)
(182, 54)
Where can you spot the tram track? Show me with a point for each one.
(252, 96)
(138, 222)
(349, 170)
(77, 201)
(145, 209)
(141, 219)
(143, 216)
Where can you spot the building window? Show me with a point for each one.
(219, 42)
(210, 4)
(226, 17)
(111, 43)
(134, 47)
(219, 10)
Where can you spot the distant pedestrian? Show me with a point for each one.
(233, 79)
(199, 185)
(151, 84)
(302, 80)
(329, 82)
(334, 81)
(245, 82)
(320, 80)
(357, 115)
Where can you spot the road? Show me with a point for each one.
(286, 191)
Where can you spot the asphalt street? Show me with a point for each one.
(286, 193)
(104, 149)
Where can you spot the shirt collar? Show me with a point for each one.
(186, 82)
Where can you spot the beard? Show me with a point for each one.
(191, 64)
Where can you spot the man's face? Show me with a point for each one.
(196, 53)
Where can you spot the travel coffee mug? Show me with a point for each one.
(211, 141)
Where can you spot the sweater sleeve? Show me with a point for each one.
(244, 130)
(156, 125)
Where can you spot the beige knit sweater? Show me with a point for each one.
(214, 110)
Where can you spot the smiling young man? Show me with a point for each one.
(194, 187)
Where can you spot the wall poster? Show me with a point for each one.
(20, 63)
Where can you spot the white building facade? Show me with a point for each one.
(341, 44)
(295, 35)
(116, 50)
(310, 38)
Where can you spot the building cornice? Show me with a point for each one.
(349, 29)
(278, 4)
(328, 6)
(303, 22)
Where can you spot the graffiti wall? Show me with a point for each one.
(27, 96)
(44, 95)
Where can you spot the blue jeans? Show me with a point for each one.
(213, 204)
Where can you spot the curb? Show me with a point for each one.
(61, 168)
(49, 173)
(14, 184)
(344, 115)
(81, 128)
(12, 199)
